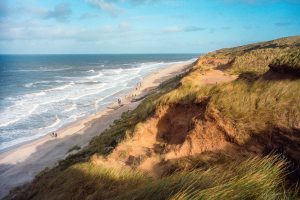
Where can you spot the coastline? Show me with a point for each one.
(21, 164)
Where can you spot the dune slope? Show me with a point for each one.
(227, 129)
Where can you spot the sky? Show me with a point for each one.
(141, 26)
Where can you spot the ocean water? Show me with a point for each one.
(42, 93)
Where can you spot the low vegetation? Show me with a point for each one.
(257, 115)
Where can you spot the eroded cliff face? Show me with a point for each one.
(173, 132)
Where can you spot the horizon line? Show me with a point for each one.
(100, 53)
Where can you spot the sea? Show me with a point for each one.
(42, 93)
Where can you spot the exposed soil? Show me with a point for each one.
(175, 132)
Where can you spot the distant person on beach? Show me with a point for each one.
(119, 102)
(53, 134)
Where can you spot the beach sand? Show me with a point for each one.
(22, 164)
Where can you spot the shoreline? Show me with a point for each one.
(20, 165)
(118, 94)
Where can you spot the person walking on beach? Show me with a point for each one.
(119, 102)
(53, 134)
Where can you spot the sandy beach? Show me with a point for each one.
(22, 164)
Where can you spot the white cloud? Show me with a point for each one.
(106, 6)
(36, 30)
(61, 12)
(33, 30)
(89, 15)
(176, 29)
(172, 29)
(111, 7)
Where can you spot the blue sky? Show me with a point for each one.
(141, 26)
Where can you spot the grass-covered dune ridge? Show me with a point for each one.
(253, 57)
(212, 133)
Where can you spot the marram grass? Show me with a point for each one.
(255, 178)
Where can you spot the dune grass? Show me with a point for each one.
(84, 181)
(255, 178)
(252, 179)
(187, 92)
(281, 43)
(288, 62)
(256, 57)
(254, 61)
(259, 105)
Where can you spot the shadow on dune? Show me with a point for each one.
(274, 76)
(225, 66)
(174, 126)
(268, 76)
